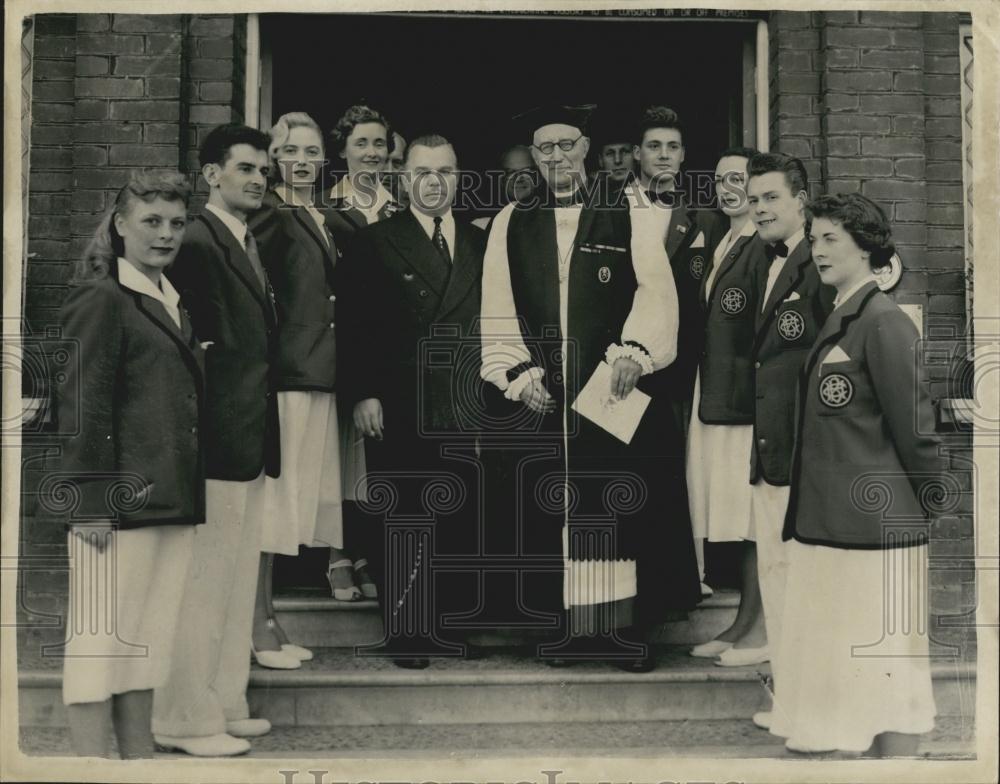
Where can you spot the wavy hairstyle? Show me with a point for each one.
(863, 219)
(354, 116)
(280, 132)
(107, 245)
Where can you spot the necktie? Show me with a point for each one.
(666, 198)
(254, 257)
(440, 242)
(777, 249)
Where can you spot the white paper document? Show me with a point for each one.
(618, 417)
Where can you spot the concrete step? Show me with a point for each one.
(706, 739)
(313, 619)
(339, 688)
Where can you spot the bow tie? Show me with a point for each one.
(778, 249)
(666, 198)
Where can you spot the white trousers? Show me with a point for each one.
(768, 504)
(211, 662)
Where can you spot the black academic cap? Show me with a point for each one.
(553, 114)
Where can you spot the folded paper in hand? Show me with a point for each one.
(618, 417)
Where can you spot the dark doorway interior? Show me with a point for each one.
(465, 76)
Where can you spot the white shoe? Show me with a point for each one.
(300, 653)
(710, 649)
(741, 657)
(762, 719)
(276, 660)
(248, 728)
(221, 745)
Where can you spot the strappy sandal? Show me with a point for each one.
(350, 594)
(365, 583)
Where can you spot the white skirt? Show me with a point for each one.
(718, 478)
(854, 648)
(123, 611)
(302, 506)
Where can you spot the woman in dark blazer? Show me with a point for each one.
(133, 468)
(302, 506)
(866, 474)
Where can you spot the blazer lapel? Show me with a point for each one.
(790, 275)
(417, 251)
(234, 254)
(328, 249)
(724, 266)
(464, 273)
(838, 322)
(183, 336)
(678, 230)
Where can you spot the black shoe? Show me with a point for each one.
(412, 662)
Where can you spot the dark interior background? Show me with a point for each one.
(465, 77)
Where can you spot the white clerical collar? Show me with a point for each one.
(840, 299)
(234, 224)
(132, 278)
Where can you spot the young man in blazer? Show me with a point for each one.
(689, 237)
(202, 709)
(402, 282)
(793, 304)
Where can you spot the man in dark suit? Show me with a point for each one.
(689, 236)
(202, 709)
(410, 288)
(793, 304)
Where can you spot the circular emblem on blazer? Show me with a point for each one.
(697, 267)
(604, 274)
(733, 300)
(791, 325)
(836, 390)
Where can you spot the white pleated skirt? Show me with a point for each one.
(303, 505)
(123, 611)
(718, 478)
(854, 648)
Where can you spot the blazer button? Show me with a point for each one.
(757, 365)
(331, 325)
(333, 298)
(423, 292)
(762, 441)
(194, 430)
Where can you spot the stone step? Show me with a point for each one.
(339, 688)
(313, 619)
(706, 739)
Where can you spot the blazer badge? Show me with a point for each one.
(836, 390)
(733, 301)
(791, 325)
(697, 267)
(604, 274)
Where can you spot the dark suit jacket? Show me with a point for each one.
(344, 221)
(866, 422)
(731, 308)
(300, 267)
(230, 309)
(785, 330)
(396, 292)
(133, 399)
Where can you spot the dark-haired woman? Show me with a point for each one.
(855, 666)
(361, 138)
(134, 398)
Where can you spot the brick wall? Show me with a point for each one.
(111, 92)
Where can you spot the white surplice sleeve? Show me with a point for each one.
(651, 326)
(503, 345)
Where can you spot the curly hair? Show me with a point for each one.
(659, 117)
(354, 116)
(793, 169)
(860, 217)
(222, 138)
(107, 245)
